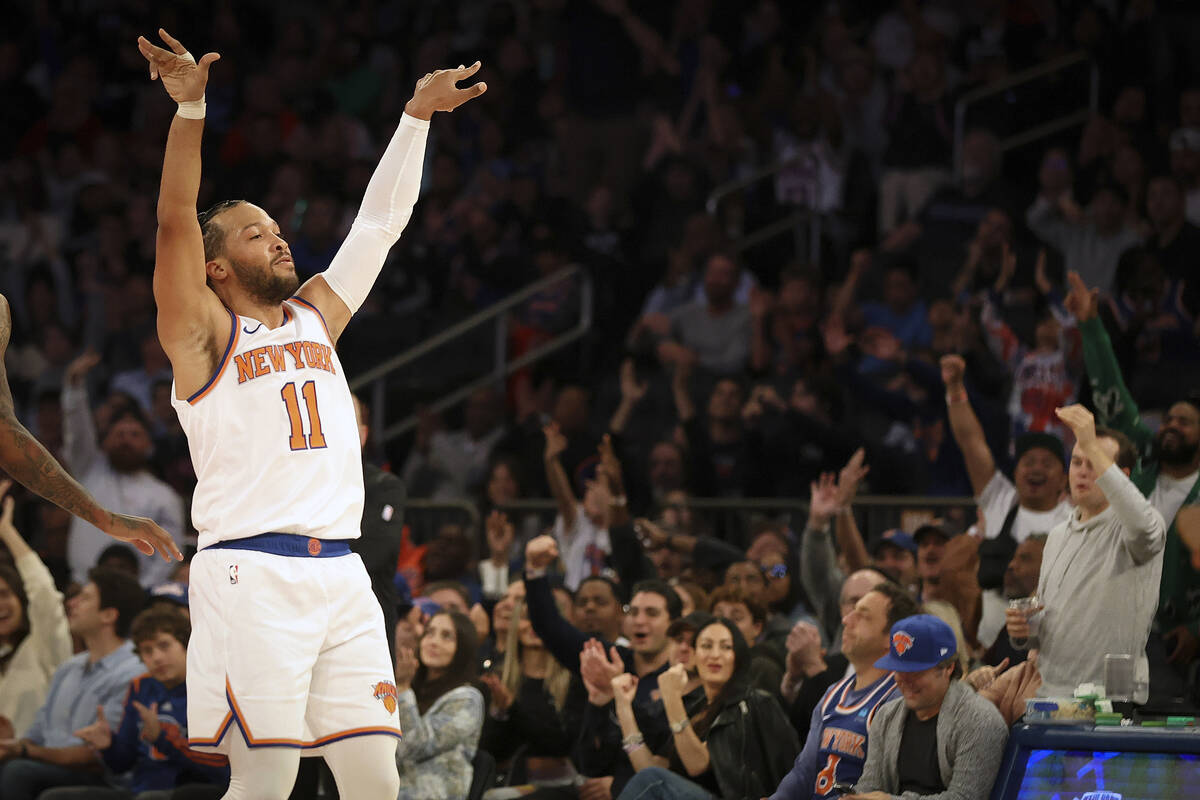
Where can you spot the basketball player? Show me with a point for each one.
(289, 653)
(24, 458)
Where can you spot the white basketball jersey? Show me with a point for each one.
(273, 436)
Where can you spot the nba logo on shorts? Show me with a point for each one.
(386, 691)
(233, 573)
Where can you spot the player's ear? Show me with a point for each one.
(216, 271)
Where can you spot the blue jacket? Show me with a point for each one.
(168, 762)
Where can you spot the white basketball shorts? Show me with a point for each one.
(286, 650)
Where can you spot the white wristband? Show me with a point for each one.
(191, 109)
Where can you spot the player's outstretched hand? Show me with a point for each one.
(438, 91)
(182, 77)
(144, 534)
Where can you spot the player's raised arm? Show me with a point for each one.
(388, 203)
(191, 319)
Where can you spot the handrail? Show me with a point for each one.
(772, 229)
(459, 328)
(1016, 79)
(502, 365)
(774, 503)
(717, 194)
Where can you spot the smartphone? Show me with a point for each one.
(842, 788)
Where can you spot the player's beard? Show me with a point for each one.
(1174, 452)
(265, 286)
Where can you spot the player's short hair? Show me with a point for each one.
(121, 591)
(901, 603)
(160, 619)
(214, 235)
(733, 594)
(617, 589)
(454, 586)
(663, 590)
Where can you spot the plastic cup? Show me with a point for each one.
(1118, 676)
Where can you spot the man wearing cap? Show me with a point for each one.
(1166, 472)
(1101, 568)
(895, 553)
(939, 736)
(172, 594)
(1032, 502)
(840, 734)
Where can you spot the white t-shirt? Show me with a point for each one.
(995, 501)
(583, 547)
(1169, 494)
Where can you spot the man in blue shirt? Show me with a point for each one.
(836, 748)
(50, 754)
(152, 737)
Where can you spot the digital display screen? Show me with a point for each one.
(1099, 775)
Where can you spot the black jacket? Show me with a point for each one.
(751, 746)
(379, 544)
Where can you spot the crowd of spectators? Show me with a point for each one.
(622, 639)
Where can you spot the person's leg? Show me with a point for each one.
(365, 767)
(260, 773)
(24, 779)
(656, 783)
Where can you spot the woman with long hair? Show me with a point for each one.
(528, 698)
(441, 711)
(739, 746)
(34, 639)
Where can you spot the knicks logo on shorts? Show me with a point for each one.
(386, 691)
(901, 642)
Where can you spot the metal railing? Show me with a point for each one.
(502, 365)
(1045, 128)
(876, 513)
(794, 222)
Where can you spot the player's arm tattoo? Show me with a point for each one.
(27, 461)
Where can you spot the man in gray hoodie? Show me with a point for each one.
(1100, 572)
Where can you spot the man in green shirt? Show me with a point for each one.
(1166, 473)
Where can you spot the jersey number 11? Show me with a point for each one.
(297, 440)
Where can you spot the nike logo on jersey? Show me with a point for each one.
(274, 358)
(247, 330)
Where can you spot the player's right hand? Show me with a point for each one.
(144, 534)
(541, 552)
(182, 77)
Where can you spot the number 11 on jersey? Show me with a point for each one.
(297, 440)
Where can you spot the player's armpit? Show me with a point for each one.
(333, 309)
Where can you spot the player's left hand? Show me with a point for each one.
(438, 91)
(151, 727)
(144, 534)
(182, 76)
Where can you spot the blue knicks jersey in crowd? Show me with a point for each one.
(846, 716)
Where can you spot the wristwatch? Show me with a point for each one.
(677, 727)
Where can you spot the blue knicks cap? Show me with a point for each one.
(174, 591)
(918, 643)
(896, 538)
